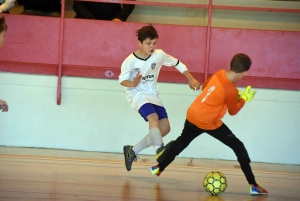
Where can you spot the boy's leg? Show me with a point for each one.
(149, 139)
(164, 126)
(143, 144)
(224, 134)
(153, 138)
(189, 133)
(159, 125)
(130, 152)
(161, 122)
(156, 116)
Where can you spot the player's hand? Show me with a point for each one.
(3, 106)
(137, 79)
(194, 84)
(247, 95)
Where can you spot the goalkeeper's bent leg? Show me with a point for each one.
(189, 133)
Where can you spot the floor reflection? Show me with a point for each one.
(213, 198)
(158, 193)
(258, 198)
(126, 191)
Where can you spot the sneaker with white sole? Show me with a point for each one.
(155, 170)
(129, 156)
(257, 190)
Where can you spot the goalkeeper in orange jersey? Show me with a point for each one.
(219, 95)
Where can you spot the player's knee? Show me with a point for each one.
(153, 119)
(237, 145)
(152, 116)
(164, 131)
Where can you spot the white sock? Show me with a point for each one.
(156, 147)
(156, 137)
(153, 138)
(143, 144)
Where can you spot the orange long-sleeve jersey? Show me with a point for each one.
(218, 95)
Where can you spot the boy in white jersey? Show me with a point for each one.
(139, 74)
(3, 29)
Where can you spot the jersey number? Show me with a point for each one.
(208, 93)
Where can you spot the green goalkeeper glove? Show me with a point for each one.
(247, 95)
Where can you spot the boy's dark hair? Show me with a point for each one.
(3, 26)
(146, 32)
(240, 63)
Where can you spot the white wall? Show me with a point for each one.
(94, 116)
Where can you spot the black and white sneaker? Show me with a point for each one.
(129, 156)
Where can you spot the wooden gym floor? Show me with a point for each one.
(47, 174)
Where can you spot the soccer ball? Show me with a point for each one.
(215, 183)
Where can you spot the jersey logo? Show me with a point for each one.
(153, 65)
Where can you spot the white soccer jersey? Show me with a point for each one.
(146, 91)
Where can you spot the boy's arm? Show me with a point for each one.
(124, 77)
(169, 60)
(238, 99)
(193, 83)
(233, 102)
(134, 83)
